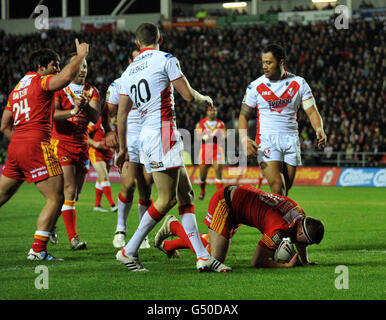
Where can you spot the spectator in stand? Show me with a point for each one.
(347, 65)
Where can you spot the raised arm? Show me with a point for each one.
(64, 77)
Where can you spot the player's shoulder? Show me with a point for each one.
(91, 88)
(256, 82)
(165, 55)
(115, 84)
(294, 77)
(221, 123)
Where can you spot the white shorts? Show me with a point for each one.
(279, 147)
(133, 146)
(161, 150)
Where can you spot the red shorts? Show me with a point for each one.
(31, 161)
(219, 217)
(72, 155)
(211, 153)
(97, 155)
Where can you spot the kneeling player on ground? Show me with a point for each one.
(275, 216)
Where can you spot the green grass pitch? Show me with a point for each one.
(355, 221)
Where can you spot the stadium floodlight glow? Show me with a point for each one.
(323, 1)
(232, 5)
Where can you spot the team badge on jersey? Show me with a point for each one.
(267, 152)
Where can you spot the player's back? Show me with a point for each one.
(32, 108)
(147, 81)
(260, 209)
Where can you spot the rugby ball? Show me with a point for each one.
(285, 251)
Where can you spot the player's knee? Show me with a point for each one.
(128, 186)
(166, 204)
(277, 186)
(70, 191)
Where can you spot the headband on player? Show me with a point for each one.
(304, 229)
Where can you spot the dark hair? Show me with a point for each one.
(69, 57)
(315, 229)
(277, 51)
(131, 51)
(147, 34)
(42, 57)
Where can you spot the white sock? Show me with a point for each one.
(123, 213)
(146, 224)
(141, 210)
(188, 221)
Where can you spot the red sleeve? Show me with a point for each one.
(95, 94)
(45, 81)
(8, 107)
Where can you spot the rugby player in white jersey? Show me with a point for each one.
(133, 173)
(148, 83)
(276, 97)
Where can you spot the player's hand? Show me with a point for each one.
(294, 261)
(120, 160)
(321, 138)
(112, 140)
(251, 148)
(207, 101)
(81, 48)
(80, 102)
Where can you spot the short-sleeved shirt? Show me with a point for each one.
(73, 130)
(272, 214)
(133, 119)
(277, 103)
(32, 108)
(275, 216)
(148, 83)
(30, 155)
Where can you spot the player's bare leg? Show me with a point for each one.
(80, 180)
(101, 170)
(8, 188)
(219, 245)
(272, 172)
(204, 169)
(289, 173)
(144, 181)
(52, 191)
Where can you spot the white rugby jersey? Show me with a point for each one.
(148, 83)
(277, 103)
(112, 96)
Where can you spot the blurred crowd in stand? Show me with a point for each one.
(346, 70)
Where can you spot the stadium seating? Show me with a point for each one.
(345, 69)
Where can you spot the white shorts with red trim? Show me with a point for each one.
(161, 149)
(133, 146)
(279, 147)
